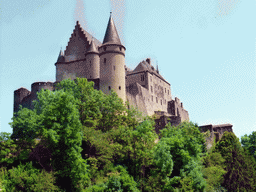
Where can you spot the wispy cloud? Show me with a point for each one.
(226, 6)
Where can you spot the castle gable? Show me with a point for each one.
(78, 44)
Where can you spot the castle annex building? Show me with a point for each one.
(104, 64)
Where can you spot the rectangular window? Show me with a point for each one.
(142, 77)
(105, 60)
(156, 100)
(151, 79)
(165, 90)
(168, 92)
(152, 97)
(151, 89)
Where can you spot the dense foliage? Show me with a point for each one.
(90, 141)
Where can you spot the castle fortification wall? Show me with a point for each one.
(19, 95)
(175, 107)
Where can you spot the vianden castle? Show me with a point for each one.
(104, 64)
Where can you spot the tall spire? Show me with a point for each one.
(61, 57)
(111, 35)
(92, 47)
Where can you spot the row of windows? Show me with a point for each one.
(109, 87)
(152, 99)
(158, 89)
(105, 48)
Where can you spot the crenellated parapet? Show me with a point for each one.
(175, 107)
(25, 97)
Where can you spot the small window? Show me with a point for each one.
(156, 100)
(109, 87)
(151, 89)
(168, 92)
(105, 48)
(161, 101)
(142, 77)
(165, 90)
(120, 48)
(151, 79)
(119, 87)
(105, 60)
(152, 97)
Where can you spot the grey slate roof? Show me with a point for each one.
(111, 35)
(92, 48)
(145, 66)
(61, 57)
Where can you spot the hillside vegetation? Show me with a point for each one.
(78, 139)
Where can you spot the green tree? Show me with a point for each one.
(240, 169)
(27, 178)
(213, 170)
(55, 119)
(249, 142)
(183, 144)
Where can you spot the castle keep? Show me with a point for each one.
(104, 64)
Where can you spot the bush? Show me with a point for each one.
(27, 178)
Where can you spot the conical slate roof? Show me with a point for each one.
(92, 48)
(61, 57)
(111, 35)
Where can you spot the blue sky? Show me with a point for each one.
(204, 48)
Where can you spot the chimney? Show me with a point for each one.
(148, 60)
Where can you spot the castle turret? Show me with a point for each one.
(112, 62)
(61, 57)
(93, 61)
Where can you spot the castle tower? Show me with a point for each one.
(93, 60)
(112, 62)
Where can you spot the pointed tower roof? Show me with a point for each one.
(92, 47)
(111, 35)
(61, 57)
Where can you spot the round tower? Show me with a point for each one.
(112, 62)
(93, 61)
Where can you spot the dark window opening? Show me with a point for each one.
(151, 89)
(152, 97)
(142, 77)
(109, 87)
(156, 100)
(105, 60)
(105, 48)
(161, 102)
(119, 87)
(168, 92)
(165, 90)
(120, 48)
